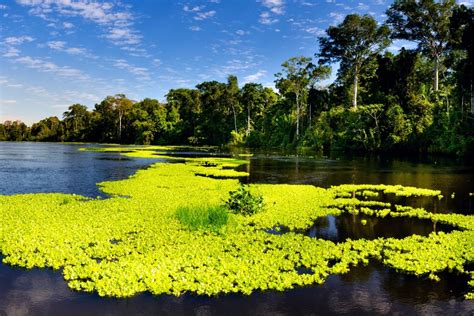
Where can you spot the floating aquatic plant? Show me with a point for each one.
(135, 241)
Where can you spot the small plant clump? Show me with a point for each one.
(243, 201)
(202, 217)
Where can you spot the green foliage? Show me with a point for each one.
(236, 138)
(402, 109)
(202, 217)
(243, 201)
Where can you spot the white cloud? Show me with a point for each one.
(123, 36)
(15, 85)
(199, 13)
(47, 66)
(397, 45)
(467, 3)
(254, 77)
(136, 51)
(362, 6)
(8, 45)
(17, 40)
(267, 19)
(61, 47)
(205, 15)
(11, 52)
(315, 31)
(115, 20)
(141, 72)
(195, 28)
(337, 17)
(7, 101)
(275, 6)
(241, 32)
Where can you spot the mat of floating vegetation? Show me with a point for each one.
(124, 246)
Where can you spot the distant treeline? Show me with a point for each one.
(415, 100)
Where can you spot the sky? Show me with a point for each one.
(54, 53)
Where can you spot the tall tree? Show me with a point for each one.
(188, 103)
(354, 43)
(296, 76)
(76, 122)
(121, 105)
(48, 129)
(252, 98)
(232, 95)
(425, 22)
(216, 123)
(108, 116)
(462, 30)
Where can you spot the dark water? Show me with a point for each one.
(374, 289)
(340, 228)
(366, 290)
(41, 167)
(450, 175)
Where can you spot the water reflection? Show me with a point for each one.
(342, 227)
(449, 176)
(371, 289)
(30, 167)
(50, 167)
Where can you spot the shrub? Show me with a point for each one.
(236, 138)
(242, 201)
(202, 217)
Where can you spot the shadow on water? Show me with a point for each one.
(344, 226)
(349, 226)
(372, 289)
(448, 175)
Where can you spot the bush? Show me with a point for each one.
(236, 138)
(242, 201)
(202, 217)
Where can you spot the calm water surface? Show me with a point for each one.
(373, 289)
(50, 167)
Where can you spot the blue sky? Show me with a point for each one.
(54, 53)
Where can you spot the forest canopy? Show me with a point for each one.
(417, 100)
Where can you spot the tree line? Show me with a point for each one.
(417, 99)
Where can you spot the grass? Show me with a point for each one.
(202, 217)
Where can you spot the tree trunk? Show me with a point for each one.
(354, 97)
(120, 127)
(235, 118)
(436, 75)
(248, 120)
(472, 100)
(310, 114)
(297, 117)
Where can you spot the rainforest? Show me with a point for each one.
(344, 185)
(414, 100)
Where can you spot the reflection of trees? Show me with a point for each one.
(350, 226)
(411, 289)
(22, 292)
(360, 273)
(364, 289)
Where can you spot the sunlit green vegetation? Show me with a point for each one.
(243, 201)
(202, 217)
(165, 230)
